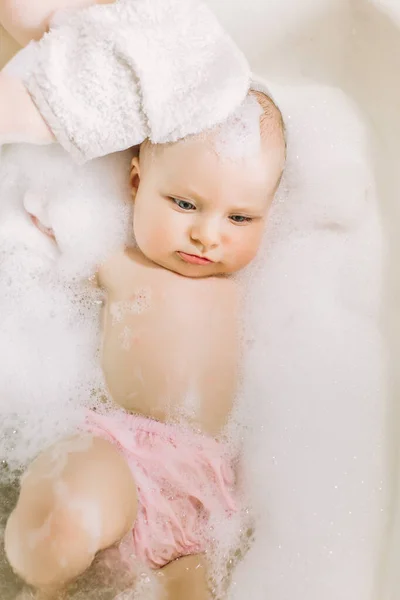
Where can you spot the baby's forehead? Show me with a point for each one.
(237, 139)
(199, 159)
(194, 171)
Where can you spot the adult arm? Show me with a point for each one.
(107, 77)
(20, 120)
(27, 20)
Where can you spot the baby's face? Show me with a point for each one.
(198, 214)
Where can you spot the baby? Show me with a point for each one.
(170, 357)
(156, 467)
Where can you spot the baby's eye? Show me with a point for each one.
(183, 204)
(240, 219)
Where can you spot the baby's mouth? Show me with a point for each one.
(194, 259)
(46, 230)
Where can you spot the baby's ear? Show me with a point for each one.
(135, 176)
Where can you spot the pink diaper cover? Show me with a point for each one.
(184, 479)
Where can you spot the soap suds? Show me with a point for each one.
(312, 411)
(240, 137)
(137, 305)
(50, 339)
(313, 370)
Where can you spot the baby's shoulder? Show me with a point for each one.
(129, 268)
(121, 268)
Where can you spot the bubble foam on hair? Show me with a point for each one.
(239, 137)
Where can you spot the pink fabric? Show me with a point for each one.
(182, 479)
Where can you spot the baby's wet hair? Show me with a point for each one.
(271, 119)
(237, 144)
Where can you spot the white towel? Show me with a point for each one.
(107, 77)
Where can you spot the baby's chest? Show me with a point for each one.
(162, 330)
(166, 343)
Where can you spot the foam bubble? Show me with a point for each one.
(49, 347)
(239, 137)
(312, 410)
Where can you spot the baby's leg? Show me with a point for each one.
(29, 19)
(77, 498)
(186, 578)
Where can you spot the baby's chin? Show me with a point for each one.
(191, 271)
(196, 272)
(204, 271)
(174, 263)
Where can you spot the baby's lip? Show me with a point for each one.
(195, 259)
(39, 225)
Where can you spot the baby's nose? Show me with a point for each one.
(207, 233)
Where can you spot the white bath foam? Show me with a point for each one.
(49, 356)
(239, 138)
(314, 401)
(49, 342)
(88, 207)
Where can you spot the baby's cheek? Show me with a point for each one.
(160, 235)
(246, 247)
(151, 234)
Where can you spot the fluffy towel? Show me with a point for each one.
(109, 76)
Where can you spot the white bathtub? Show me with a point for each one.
(354, 46)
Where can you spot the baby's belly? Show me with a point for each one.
(150, 387)
(134, 376)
